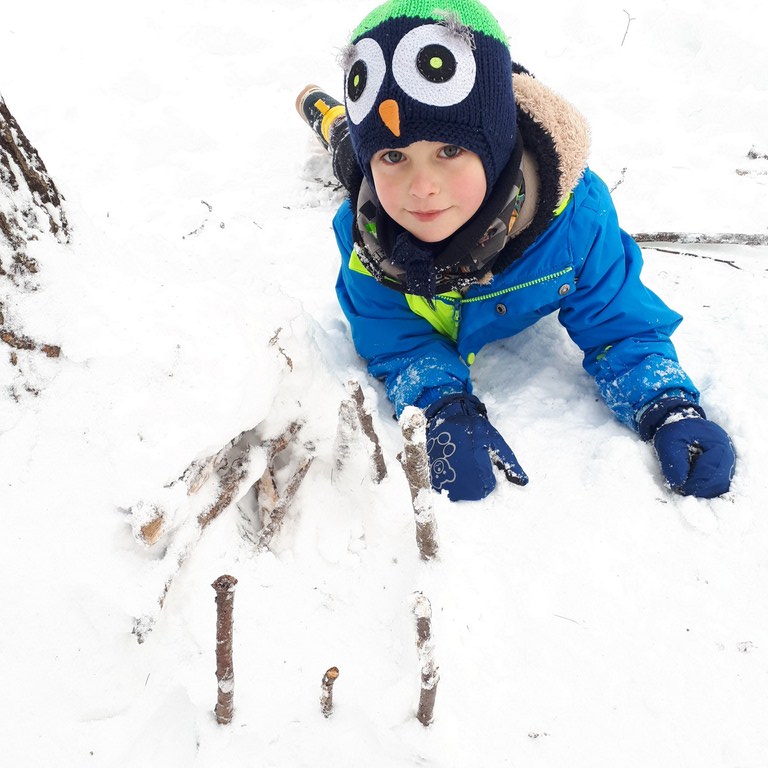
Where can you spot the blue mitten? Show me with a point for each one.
(696, 455)
(464, 447)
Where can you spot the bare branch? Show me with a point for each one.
(231, 468)
(189, 534)
(630, 19)
(277, 515)
(230, 484)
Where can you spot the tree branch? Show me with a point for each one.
(722, 238)
(230, 466)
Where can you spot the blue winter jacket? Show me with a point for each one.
(582, 266)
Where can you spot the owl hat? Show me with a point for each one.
(430, 70)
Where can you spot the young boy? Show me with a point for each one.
(471, 214)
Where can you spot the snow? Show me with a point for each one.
(590, 618)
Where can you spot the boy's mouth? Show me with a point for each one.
(426, 215)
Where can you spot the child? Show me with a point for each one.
(471, 214)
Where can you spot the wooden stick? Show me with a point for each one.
(378, 465)
(415, 462)
(346, 431)
(729, 262)
(430, 677)
(225, 673)
(326, 691)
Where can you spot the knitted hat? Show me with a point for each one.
(430, 70)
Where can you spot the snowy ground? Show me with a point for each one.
(589, 619)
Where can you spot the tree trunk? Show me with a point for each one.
(30, 208)
(30, 203)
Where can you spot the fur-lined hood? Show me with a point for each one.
(558, 118)
(557, 140)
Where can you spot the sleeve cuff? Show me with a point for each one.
(653, 415)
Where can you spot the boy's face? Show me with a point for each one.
(429, 188)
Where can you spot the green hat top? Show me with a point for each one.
(470, 13)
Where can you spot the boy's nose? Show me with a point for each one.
(423, 184)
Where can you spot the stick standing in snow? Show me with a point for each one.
(416, 465)
(225, 673)
(430, 677)
(326, 691)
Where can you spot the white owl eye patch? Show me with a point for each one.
(434, 64)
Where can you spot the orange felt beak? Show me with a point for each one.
(390, 114)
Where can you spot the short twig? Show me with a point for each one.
(273, 343)
(620, 180)
(202, 226)
(326, 691)
(630, 19)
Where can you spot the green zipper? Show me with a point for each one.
(512, 288)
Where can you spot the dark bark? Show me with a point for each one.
(30, 208)
(225, 673)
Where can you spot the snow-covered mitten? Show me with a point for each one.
(696, 455)
(464, 447)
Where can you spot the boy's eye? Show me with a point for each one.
(392, 157)
(451, 151)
